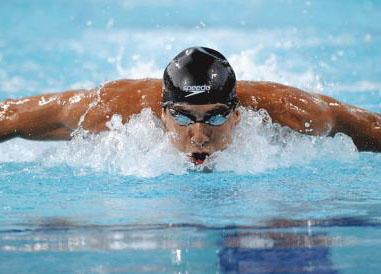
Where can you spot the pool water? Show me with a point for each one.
(126, 201)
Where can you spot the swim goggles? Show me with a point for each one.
(213, 119)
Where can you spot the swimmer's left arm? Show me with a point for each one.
(364, 127)
(312, 114)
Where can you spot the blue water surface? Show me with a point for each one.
(316, 214)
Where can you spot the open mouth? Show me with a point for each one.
(198, 157)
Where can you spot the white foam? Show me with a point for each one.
(260, 145)
(19, 150)
(142, 148)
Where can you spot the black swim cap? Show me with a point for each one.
(198, 76)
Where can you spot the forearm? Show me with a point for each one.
(364, 127)
(40, 117)
(6, 130)
(31, 118)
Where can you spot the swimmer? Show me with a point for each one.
(197, 100)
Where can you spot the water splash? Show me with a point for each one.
(261, 145)
(142, 148)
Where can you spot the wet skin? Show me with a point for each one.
(199, 140)
(56, 116)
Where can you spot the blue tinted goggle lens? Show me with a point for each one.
(186, 120)
(182, 120)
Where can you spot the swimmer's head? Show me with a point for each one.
(199, 76)
(199, 102)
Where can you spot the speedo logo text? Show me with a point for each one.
(196, 89)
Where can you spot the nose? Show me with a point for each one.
(199, 135)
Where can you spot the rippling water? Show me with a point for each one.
(127, 201)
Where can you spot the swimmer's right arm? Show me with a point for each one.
(57, 116)
(46, 117)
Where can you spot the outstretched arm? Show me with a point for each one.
(56, 116)
(363, 126)
(46, 117)
(312, 114)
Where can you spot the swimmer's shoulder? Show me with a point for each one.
(130, 96)
(266, 94)
(259, 93)
(262, 88)
(145, 85)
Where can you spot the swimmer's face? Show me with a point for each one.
(199, 139)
